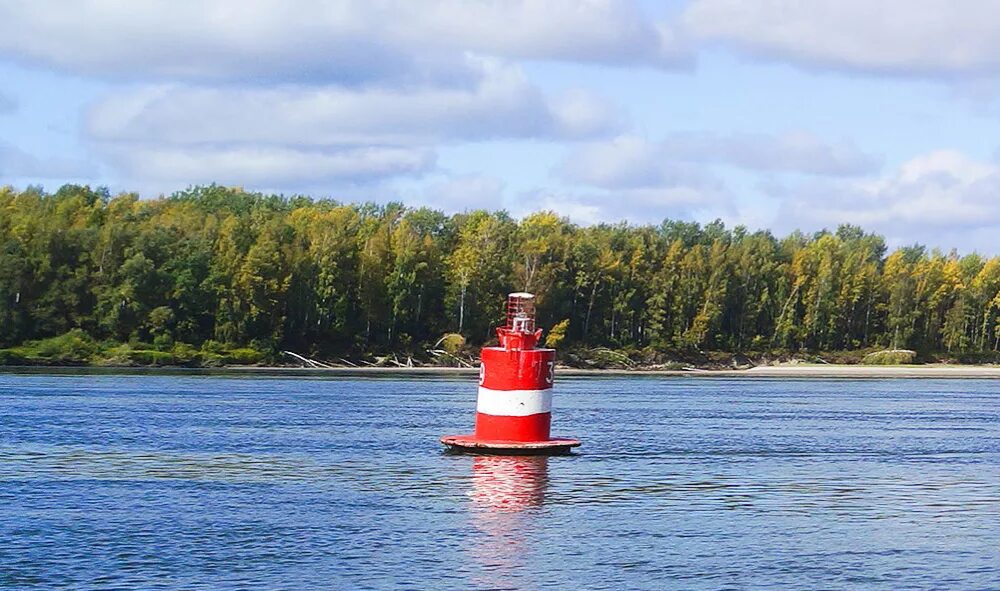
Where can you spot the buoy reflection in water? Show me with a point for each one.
(504, 491)
(509, 484)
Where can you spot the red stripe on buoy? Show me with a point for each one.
(527, 369)
(511, 428)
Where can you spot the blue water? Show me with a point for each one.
(199, 482)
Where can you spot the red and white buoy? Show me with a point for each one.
(514, 410)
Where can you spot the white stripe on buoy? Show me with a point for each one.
(514, 403)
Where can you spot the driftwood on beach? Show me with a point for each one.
(307, 361)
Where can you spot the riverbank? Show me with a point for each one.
(791, 371)
(775, 371)
(76, 349)
(868, 371)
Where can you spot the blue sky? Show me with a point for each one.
(774, 114)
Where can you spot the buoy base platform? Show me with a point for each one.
(469, 444)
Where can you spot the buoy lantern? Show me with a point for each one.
(514, 408)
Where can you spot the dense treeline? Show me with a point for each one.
(224, 266)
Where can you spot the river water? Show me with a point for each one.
(188, 481)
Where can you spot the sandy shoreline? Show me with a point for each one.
(778, 371)
(797, 371)
(870, 371)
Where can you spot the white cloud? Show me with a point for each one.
(266, 166)
(164, 132)
(285, 93)
(16, 163)
(638, 205)
(324, 41)
(464, 193)
(624, 162)
(942, 197)
(503, 105)
(795, 151)
(580, 114)
(570, 206)
(908, 37)
(630, 161)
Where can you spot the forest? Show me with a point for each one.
(218, 274)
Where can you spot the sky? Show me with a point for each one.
(773, 114)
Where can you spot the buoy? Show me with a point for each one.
(514, 407)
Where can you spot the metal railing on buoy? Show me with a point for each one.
(514, 407)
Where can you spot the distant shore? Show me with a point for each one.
(867, 371)
(769, 371)
(790, 371)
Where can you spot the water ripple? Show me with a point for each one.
(189, 482)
